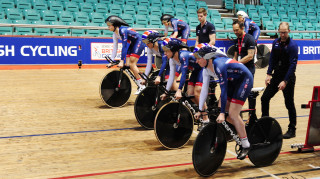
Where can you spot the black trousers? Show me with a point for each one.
(288, 94)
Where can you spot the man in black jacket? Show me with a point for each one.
(283, 62)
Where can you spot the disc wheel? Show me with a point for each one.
(263, 56)
(209, 150)
(266, 139)
(145, 108)
(173, 125)
(111, 94)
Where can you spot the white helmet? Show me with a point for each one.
(243, 14)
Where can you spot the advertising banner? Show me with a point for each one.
(44, 50)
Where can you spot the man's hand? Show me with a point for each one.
(282, 85)
(267, 80)
(197, 115)
(221, 118)
(157, 80)
(163, 96)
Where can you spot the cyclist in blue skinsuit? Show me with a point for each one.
(236, 82)
(152, 39)
(132, 45)
(180, 28)
(250, 26)
(185, 61)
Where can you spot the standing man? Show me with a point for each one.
(283, 62)
(245, 49)
(206, 32)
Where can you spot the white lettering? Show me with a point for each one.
(48, 51)
(33, 50)
(7, 50)
(22, 51)
(39, 51)
(63, 50)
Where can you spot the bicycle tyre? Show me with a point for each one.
(167, 133)
(265, 129)
(144, 109)
(209, 150)
(108, 89)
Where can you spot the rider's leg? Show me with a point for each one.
(236, 120)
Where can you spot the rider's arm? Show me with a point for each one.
(184, 70)
(166, 29)
(171, 74)
(149, 62)
(175, 29)
(204, 89)
(115, 46)
(125, 46)
(293, 58)
(221, 72)
(246, 25)
(163, 65)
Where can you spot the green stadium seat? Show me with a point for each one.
(167, 3)
(40, 5)
(2, 14)
(193, 22)
(294, 19)
(6, 4)
(191, 5)
(14, 14)
(48, 15)
(96, 17)
(154, 26)
(218, 24)
(229, 4)
(105, 1)
(23, 4)
(183, 18)
(31, 15)
(267, 4)
(101, 8)
(118, 2)
(303, 19)
(144, 3)
(291, 12)
(86, 7)
(313, 19)
(232, 36)
(179, 4)
(6, 30)
(129, 9)
(181, 11)
(41, 31)
(135, 26)
(311, 12)
(193, 35)
(168, 10)
(229, 21)
(65, 16)
(92, 1)
(55, 6)
(154, 20)
(240, 7)
(221, 35)
(59, 31)
(192, 13)
(93, 32)
(71, 6)
(129, 18)
(22, 30)
(202, 4)
(81, 17)
(270, 26)
(115, 9)
(155, 10)
(131, 2)
(76, 32)
(296, 36)
(78, 1)
(156, 3)
(142, 20)
(284, 4)
(285, 19)
(142, 10)
(300, 27)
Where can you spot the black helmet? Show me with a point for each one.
(174, 45)
(166, 17)
(207, 51)
(116, 21)
(151, 36)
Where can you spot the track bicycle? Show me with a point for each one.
(174, 122)
(209, 149)
(115, 88)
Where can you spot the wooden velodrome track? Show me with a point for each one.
(54, 125)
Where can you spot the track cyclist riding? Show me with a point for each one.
(180, 28)
(132, 46)
(236, 82)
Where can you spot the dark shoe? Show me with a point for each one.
(290, 134)
(244, 152)
(202, 125)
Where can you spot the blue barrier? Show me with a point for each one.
(41, 50)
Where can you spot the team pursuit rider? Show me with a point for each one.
(236, 82)
(132, 46)
(180, 28)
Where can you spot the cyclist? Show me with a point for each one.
(152, 39)
(180, 28)
(185, 61)
(132, 46)
(236, 82)
(250, 26)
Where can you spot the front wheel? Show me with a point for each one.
(266, 139)
(209, 150)
(173, 125)
(111, 93)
